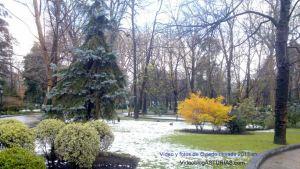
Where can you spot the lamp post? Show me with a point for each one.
(1, 95)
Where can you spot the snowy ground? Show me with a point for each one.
(143, 139)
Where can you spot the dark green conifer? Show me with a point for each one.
(90, 86)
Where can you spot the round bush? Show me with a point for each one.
(104, 132)
(16, 134)
(18, 158)
(47, 130)
(78, 144)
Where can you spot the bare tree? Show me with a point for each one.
(148, 56)
(228, 55)
(134, 55)
(117, 9)
(37, 14)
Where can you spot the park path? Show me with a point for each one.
(286, 160)
(29, 119)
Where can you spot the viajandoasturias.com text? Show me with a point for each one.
(212, 162)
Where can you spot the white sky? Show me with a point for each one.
(23, 29)
(22, 32)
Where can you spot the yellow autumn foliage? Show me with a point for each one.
(198, 109)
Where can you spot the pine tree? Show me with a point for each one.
(6, 46)
(90, 86)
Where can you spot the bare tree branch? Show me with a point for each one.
(294, 7)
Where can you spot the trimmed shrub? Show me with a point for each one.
(46, 132)
(14, 133)
(77, 144)
(18, 158)
(104, 132)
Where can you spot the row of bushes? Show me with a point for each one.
(10, 109)
(199, 110)
(246, 113)
(9, 112)
(75, 143)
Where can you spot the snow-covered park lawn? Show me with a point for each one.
(146, 140)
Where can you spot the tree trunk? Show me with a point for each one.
(55, 40)
(229, 61)
(136, 109)
(228, 87)
(89, 107)
(248, 71)
(297, 89)
(11, 88)
(193, 71)
(149, 53)
(140, 101)
(144, 108)
(97, 108)
(167, 102)
(175, 101)
(37, 15)
(282, 79)
(228, 54)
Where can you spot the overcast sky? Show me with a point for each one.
(23, 29)
(24, 32)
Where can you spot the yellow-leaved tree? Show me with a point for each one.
(198, 110)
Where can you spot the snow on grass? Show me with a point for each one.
(143, 139)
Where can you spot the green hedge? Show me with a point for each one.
(18, 158)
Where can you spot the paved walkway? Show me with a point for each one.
(286, 160)
(30, 119)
